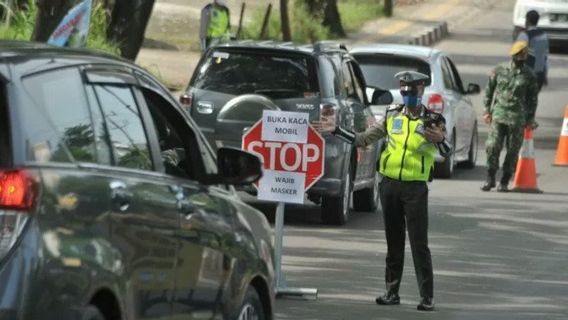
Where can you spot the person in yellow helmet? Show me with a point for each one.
(414, 136)
(215, 23)
(510, 102)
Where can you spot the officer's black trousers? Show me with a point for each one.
(405, 206)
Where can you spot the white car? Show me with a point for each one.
(444, 94)
(553, 18)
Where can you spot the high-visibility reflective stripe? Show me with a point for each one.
(527, 151)
(564, 131)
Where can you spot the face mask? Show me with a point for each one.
(411, 101)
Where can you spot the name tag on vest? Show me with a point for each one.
(420, 129)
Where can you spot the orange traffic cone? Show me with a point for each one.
(562, 150)
(525, 174)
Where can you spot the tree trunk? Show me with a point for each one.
(285, 18)
(387, 8)
(128, 24)
(49, 14)
(332, 19)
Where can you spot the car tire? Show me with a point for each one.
(251, 308)
(335, 209)
(91, 312)
(445, 169)
(367, 200)
(472, 154)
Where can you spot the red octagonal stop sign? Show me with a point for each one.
(306, 158)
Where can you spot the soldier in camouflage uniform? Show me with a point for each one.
(510, 106)
(414, 136)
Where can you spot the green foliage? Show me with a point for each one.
(22, 25)
(307, 28)
(354, 13)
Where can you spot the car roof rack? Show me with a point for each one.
(329, 45)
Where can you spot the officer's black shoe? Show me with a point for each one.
(426, 304)
(389, 299)
(503, 188)
(489, 184)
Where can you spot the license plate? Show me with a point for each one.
(558, 17)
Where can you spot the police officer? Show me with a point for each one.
(510, 106)
(414, 136)
(215, 23)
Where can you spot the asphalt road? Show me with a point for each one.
(495, 255)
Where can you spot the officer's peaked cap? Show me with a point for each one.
(411, 76)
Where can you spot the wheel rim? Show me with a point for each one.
(248, 312)
(346, 196)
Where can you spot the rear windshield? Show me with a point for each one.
(379, 70)
(275, 75)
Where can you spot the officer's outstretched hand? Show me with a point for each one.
(324, 125)
(434, 134)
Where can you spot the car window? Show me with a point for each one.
(276, 75)
(348, 85)
(330, 84)
(379, 70)
(57, 123)
(129, 142)
(181, 153)
(447, 75)
(358, 83)
(456, 76)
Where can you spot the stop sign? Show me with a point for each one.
(303, 158)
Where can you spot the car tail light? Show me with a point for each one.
(436, 103)
(328, 111)
(186, 99)
(17, 190)
(17, 195)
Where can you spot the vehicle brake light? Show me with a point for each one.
(186, 99)
(17, 190)
(436, 103)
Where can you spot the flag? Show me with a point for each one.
(73, 29)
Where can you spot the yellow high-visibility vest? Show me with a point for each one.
(408, 155)
(218, 23)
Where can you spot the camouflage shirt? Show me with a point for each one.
(511, 95)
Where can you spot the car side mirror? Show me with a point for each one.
(236, 167)
(382, 97)
(473, 88)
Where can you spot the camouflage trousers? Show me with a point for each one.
(512, 137)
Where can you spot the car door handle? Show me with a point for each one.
(120, 196)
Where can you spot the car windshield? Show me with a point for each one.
(379, 70)
(271, 74)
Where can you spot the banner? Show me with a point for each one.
(74, 27)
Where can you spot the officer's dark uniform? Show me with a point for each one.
(406, 165)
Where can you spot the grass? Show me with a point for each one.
(354, 13)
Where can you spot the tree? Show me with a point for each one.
(387, 8)
(49, 14)
(128, 23)
(330, 13)
(332, 19)
(285, 18)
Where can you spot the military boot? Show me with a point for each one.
(503, 184)
(489, 183)
(389, 298)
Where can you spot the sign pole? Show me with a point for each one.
(281, 288)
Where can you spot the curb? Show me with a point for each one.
(431, 36)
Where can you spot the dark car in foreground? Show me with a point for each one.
(234, 82)
(112, 205)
